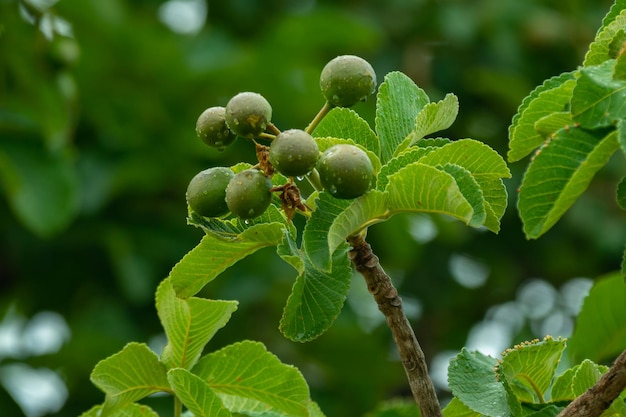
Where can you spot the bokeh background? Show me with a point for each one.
(98, 103)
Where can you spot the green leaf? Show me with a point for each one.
(129, 410)
(548, 125)
(599, 50)
(317, 297)
(42, 188)
(621, 193)
(496, 199)
(315, 234)
(550, 97)
(562, 386)
(598, 99)
(252, 381)
(423, 188)
(586, 375)
(345, 123)
(129, 375)
(433, 117)
(471, 192)
(398, 102)
(530, 367)
(559, 174)
(456, 408)
(398, 162)
(195, 394)
(472, 380)
(600, 331)
(213, 255)
(621, 134)
(361, 213)
(189, 324)
(398, 407)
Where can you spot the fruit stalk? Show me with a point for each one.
(390, 304)
(599, 397)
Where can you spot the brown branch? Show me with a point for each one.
(599, 397)
(390, 304)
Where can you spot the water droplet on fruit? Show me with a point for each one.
(332, 189)
(246, 221)
(290, 157)
(300, 177)
(251, 212)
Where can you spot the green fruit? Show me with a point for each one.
(248, 114)
(346, 80)
(248, 194)
(345, 171)
(206, 192)
(212, 129)
(294, 153)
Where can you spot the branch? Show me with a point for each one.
(599, 397)
(389, 303)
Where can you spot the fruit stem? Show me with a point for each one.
(318, 117)
(390, 304)
(313, 177)
(269, 136)
(273, 129)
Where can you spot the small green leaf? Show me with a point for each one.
(213, 255)
(470, 190)
(189, 324)
(360, 214)
(472, 379)
(129, 375)
(345, 123)
(317, 297)
(599, 50)
(529, 368)
(398, 407)
(129, 410)
(398, 102)
(196, 395)
(398, 162)
(433, 117)
(424, 188)
(559, 173)
(550, 97)
(456, 408)
(562, 386)
(598, 99)
(621, 193)
(548, 125)
(496, 199)
(621, 134)
(600, 331)
(586, 375)
(252, 381)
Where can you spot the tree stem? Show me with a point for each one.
(599, 397)
(389, 303)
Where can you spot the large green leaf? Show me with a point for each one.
(252, 381)
(598, 99)
(559, 174)
(600, 331)
(213, 255)
(196, 394)
(189, 324)
(472, 379)
(456, 408)
(471, 191)
(317, 296)
(345, 123)
(550, 97)
(129, 375)
(399, 101)
(398, 162)
(599, 50)
(432, 118)
(530, 367)
(424, 188)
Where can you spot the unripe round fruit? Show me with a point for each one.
(248, 114)
(248, 194)
(206, 191)
(294, 153)
(212, 129)
(345, 171)
(346, 80)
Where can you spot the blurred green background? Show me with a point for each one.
(98, 103)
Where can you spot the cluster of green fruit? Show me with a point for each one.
(343, 170)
